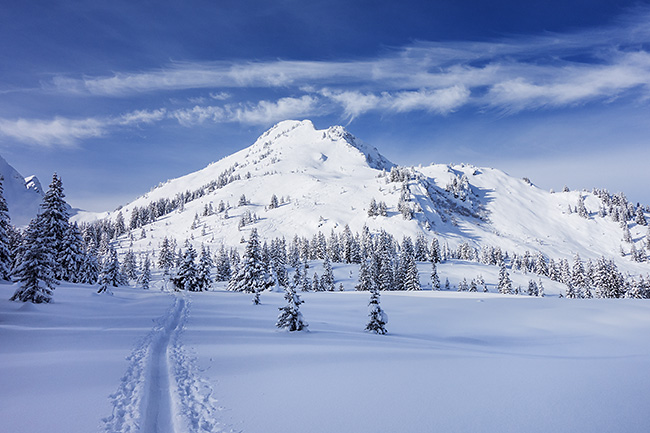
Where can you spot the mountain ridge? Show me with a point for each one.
(327, 179)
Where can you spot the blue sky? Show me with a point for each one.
(119, 96)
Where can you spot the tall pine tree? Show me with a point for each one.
(187, 276)
(110, 275)
(35, 268)
(5, 232)
(251, 277)
(145, 276)
(54, 222)
(204, 274)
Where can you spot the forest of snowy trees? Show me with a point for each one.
(51, 249)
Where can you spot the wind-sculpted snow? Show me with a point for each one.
(161, 391)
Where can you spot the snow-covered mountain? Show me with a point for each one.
(23, 194)
(326, 179)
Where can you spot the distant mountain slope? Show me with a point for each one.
(326, 179)
(23, 195)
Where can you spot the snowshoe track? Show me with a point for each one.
(161, 391)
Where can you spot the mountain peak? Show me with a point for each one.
(301, 137)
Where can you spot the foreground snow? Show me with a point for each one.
(452, 362)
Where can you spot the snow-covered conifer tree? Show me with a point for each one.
(578, 278)
(581, 209)
(607, 279)
(110, 275)
(372, 208)
(627, 236)
(570, 291)
(35, 266)
(204, 272)
(145, 276)
(251, 277)
(435, 251)
(421, 250)
(435, 280)
(377, 317)
(54, 221)
(540, 288)
(274, 202)
(533, 290)
(327, 280)
(72, 255)
(366, 280)
(5, 241)
(120, 228)
(223, 271)
(315, 283)
(166, 256)
(187, 275)
(129, 266)
(541, 267)
(565, 271)
(290, 317)
(640, 217)
(505, 284)
(90, 268)
(297, 276)
(305, 283)
(382, 209)
(412, 277)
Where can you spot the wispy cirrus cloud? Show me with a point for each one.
(509, 74)
(67, 132)
(506, 75)
(64, 131)
(440, 101)
(57, 131)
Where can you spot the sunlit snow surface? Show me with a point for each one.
(452, 362)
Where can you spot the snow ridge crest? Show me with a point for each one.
(305, 133)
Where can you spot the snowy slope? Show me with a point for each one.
(328, 178)
(452, 362)
(23, 195)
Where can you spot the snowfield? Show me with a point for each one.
(152, 361)
(157, 361)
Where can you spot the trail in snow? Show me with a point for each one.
(161, 391)
(157, 411)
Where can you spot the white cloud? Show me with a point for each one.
(354, 103)
(141, 116)
(266, 112)
(198, 114)
(220, 96)
(441, 101)
(577, 84)
(262, 112)
(60, 130)
(67, 132)
(509, 75)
